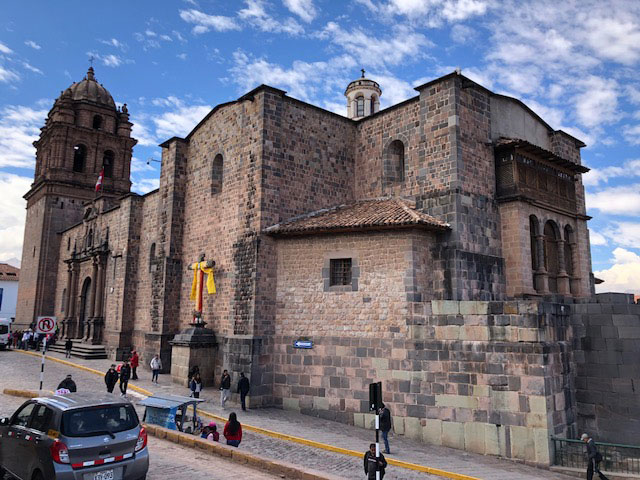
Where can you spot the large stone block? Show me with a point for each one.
(453, 435)
(474, 308)
(291, 404)
(445, 307)
(542, 446)
(522, 443)
(456, 401)
(432, 431)
(413, 428)
(475, 437)
(491, 440)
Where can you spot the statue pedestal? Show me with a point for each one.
(195, 345)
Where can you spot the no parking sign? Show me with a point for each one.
(46, 325)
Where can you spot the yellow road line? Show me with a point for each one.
(284, 436)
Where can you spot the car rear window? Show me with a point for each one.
(4, 329)
(98, 420)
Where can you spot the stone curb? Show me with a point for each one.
(251, 460)
(284, 436)
(25, 393)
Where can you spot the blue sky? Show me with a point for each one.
(575, 63)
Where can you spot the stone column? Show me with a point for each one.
(65, 322)
(98, 318)
(574, 280)
(563, 276)
(72, 301)
(542, 278)
(92, 298)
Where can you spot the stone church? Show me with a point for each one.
(439, 245)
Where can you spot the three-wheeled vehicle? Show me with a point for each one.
(174, 412)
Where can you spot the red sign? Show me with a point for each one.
(46, 325)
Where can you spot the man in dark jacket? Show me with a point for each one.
(370, 461)
(111, 378)
(68, 345)
(385, 426)
(125, 374)
(68, 383)
(225, 387)
(243, 389)
(594, 458)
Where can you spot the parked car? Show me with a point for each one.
(5, 333)
(79, 436)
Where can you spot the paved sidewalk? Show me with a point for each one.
(336, 434)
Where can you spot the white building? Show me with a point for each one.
(9, 277)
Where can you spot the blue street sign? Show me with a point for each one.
(303, 344)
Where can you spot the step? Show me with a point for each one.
(85, 351)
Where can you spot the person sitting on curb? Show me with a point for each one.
(68, 383)
(233, 430)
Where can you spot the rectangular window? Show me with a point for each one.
(1, 291)
(340, 271)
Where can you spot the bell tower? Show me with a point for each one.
(363, 98)
(83, 134)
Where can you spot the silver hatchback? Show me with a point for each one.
(79, 436)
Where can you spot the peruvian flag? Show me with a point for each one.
(100, 178)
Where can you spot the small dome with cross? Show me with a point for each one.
(363, 97)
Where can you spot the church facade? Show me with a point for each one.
(438, 245)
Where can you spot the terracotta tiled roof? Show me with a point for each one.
(9, 273)
(376, 214)
(504, 142)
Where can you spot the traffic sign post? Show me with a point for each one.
(375, 404)
(45, 326)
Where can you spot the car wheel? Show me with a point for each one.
(37, 476)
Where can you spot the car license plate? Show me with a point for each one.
(103, 475)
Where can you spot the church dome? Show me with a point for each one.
(90, 90)
(363, 97)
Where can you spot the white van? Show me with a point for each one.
(5, 329)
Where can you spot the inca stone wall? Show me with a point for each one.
(607, 348)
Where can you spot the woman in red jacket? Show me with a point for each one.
(233, 430)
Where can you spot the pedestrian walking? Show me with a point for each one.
(192, 371)
(156, 366)
(594, 457)
(196, 386)
(68, 345)
(233, 430)
(225, 387)
(370, 462)
(243, 390)
(111, 378)
(125, 374)
(385, 426)
(68, 383)
(135, 361)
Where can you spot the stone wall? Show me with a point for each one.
(607, 346)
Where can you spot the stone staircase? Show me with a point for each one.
(82, 350)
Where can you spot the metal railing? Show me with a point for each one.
(615, 457)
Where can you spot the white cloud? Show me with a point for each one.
(625, 234)
(182, 56)
(140, 132)
(614, 37)
(145, 185)
(631, 134)
(303, 8)
(369, 50)
(150, 33)
(203, 22)
(111, 60)
(595, 176)
(462, 33)
(19, 128)
(8, 76)
(597, 101)
(597, 238)
(432, 13)
(179, 121)
(114, 42)
(255, 13)
(31, 68)
(32, 44)
(140, 166)
(624, 274)
(620, 200)
(4, 49)
(12, 213)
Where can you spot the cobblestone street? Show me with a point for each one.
(22, 371)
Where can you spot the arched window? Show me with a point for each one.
(533, 233)
(217, 174)
(551, 235)
(90, 238)
(97, 122)
(360, 106)
(395, 170)
(568, 250)
(79, 157)
(152, 256)
(107, 163)
(373, 104)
